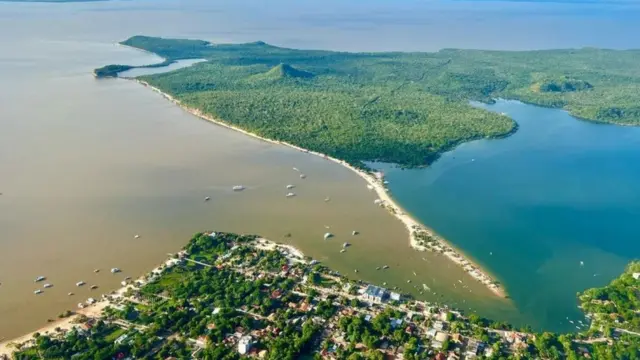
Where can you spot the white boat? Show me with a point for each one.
(93, 287)
(426, 287)
(385, 182)
(354, 233)
(115, 270)
(343, 250)
(96, 270)
(70, 294)
(355, 270)
(378, 268)
(40, 278)
(296, 169)
(207, 198)
(327, 199)
(302, 176)
(238, 188)
(37, 292)
(290, 194)
(345, 245)
(408, 281)
(91, 301)
(80, 283)
(46, 286)
(136, 236)
(385, 267)
(81, 305)
(290, 186)
(328, 235)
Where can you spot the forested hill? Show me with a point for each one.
(395, 107)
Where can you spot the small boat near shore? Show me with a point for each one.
(38, 292)
(343, 251)
(115, 270)
(93, 287)
(207, 198)
(80, 283)
(290, 186)
(40, 278)
(238, 187)
(46, 286)
(328, 235)
(346, 245)
(354, 233)
(303, 176)
(290, 195)
(385, 267)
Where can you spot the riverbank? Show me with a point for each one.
(91, 309)
(421, 237)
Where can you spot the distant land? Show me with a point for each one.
(403, 108)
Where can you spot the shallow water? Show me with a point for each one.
(533, 207)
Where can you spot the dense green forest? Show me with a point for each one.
(404, 108)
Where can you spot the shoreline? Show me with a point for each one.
(421, 238)
(91, 311)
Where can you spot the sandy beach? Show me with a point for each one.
(421, 237)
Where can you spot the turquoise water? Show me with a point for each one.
(533, 206)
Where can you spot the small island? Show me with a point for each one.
(230, 296)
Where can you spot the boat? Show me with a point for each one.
(355, 270)
(384, 283)
(408, 281)
(327, 199)
(207, 198)
(378, 268)
(46, 286)
(290, 194)
(40, 278)
(37, 292)
(385, 182)
(303, 176)
(343, 250)
(238, 188)
(80, 283)
(424, 286)
(296, 169)
(328, 235)
(354, 233)
(385, 267)
(70, 294)
(581, 263)
(96, 270)
(290, 186)
(115, 270)
(91, 301)
(93, 287)
(345, 245)
(136, 236)
(81, 305)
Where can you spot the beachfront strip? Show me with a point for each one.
(421, 238)
(229, 296)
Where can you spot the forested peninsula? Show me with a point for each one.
(403, 108)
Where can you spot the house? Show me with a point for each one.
(395, 296)
(395, 323)
(473, 347)
(439, 340)
(121, 339)
(375, 293)
(244, 345)
(439, 325)
(636, 275)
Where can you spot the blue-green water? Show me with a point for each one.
(533, 206)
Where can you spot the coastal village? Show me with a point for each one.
(228, 296)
